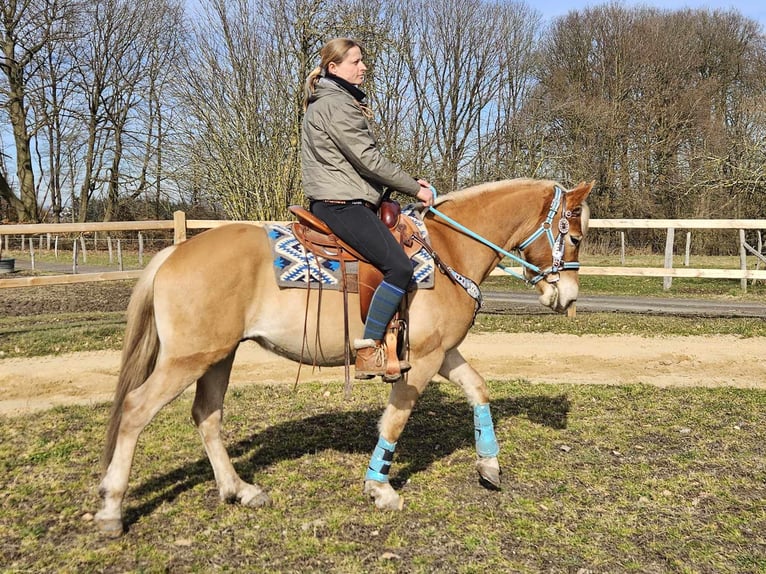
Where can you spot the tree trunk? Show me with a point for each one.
(26, 207)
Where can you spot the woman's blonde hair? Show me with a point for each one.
(333, 51)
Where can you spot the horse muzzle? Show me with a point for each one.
(555, 298)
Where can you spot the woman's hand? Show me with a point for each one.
(425, 194)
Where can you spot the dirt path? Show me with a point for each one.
(27, 385)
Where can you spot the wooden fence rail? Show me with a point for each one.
(180, 226)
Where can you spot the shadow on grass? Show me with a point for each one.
(440, 425)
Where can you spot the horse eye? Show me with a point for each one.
(575, 240)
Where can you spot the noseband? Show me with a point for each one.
(550, 274)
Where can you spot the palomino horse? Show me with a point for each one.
(198, 300)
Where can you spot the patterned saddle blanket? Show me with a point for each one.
(296, 268)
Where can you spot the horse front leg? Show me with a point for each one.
(456, 369)
(401, 401)
(207, 413)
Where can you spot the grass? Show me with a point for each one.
(48, 333)
(596, 478)
(100, 257)
(56, 334)
(653, 286)
(43, 335)
(599, 479)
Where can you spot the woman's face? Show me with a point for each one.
(351, 69)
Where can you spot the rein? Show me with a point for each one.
(557, 244)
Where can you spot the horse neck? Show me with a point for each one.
(505, 218)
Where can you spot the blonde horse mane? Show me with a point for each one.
(474, 192)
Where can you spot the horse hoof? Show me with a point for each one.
(384, 495)
(489, 472)
(111, 527)
(255, 498)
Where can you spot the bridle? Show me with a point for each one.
(551, 273)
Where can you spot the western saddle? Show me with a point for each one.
(317, 238)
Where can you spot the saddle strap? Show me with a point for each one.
(391, 346)
(346, 335)
(443, 267)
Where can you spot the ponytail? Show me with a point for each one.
(310, 86)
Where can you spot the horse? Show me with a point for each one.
(198, 300)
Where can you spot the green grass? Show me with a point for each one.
(50, 334)
(596, 478)
(99, 257)
(53, 335)
(653, 286)
(620, 324)
(42, 335)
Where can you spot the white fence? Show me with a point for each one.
(180, 226)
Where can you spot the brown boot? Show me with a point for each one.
(372, 360)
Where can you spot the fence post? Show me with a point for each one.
(84, 249)
(74, 257)
(688, 249)
(622, 248)
(760, 250)
(179, 226)
(742, 259)
(667, 281)
(140, 249)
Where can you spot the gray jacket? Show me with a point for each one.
(340, 157)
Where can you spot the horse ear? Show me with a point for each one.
(578, 195)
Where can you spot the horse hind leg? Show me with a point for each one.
(207, 413)
(166, 382)
(459, 371)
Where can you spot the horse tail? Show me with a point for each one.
(140, 347)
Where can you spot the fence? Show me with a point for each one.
(181, 227)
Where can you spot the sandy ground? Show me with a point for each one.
(27, 385)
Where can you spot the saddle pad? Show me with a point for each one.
(296, 268)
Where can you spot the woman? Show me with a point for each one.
(344, 177)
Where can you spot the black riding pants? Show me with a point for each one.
(362, 229)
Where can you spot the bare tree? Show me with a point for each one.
(457, 77)
(52, 91)
(28, 26)
(663, 104)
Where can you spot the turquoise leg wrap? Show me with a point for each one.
(484, 432)
(384, 304)
(380, 461)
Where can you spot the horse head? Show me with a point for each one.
(553, 250)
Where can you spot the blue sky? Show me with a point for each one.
(755, 9)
